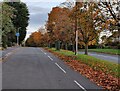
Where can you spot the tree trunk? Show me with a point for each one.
(49, 45)
(86, 49)
(62, 45)
(66, 46)
(4, 41)
(57, 45)
(73, 48)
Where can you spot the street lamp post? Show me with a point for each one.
(76, 32)
(17, 34)
(17, 40)
(76, 42)
(76, 27)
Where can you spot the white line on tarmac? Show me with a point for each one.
(45, 53)
(8, 54)
(60, 68)
(50, 58)
(80, 85)
(41, 50)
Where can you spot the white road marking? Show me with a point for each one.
(45, 53)
(41, 50)
(50, 58)
(8, 54)
(60, 68)
(80, 85)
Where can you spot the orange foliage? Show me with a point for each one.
(35, 39)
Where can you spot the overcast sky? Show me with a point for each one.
(39, 10)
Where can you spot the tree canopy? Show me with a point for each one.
(88, 18)
(15, 16)
(21, 20)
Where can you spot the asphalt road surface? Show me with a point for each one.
(34, 68)
(0, 75)
(108, 57)
(0, 53)
(7, 51)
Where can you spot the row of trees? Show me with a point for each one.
(14, 17)
(38, 38)
(88, 18)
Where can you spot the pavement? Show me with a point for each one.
(35, 68)
(103, 56)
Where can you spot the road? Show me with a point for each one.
(108, 57)
(34, 68)
(7, 51)
(0, 70)
(0, 75)
(0, 53)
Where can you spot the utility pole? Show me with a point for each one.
(76, 30)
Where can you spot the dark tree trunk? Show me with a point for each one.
(86, 49)
(50, 45)
(66, 46)
(73, 48)
(57, 45)
(62, 45)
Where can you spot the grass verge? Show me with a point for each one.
(101, 72)
(108, 51)
(95, 63)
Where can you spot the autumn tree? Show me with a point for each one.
(86, 14)
(111, 12)
(34, 39)
(44, 40)
(86, 17)
(57, 20)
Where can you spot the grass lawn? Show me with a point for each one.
(109, 51)
(95, 63)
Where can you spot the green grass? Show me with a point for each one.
(95, 63)
(109, 51)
